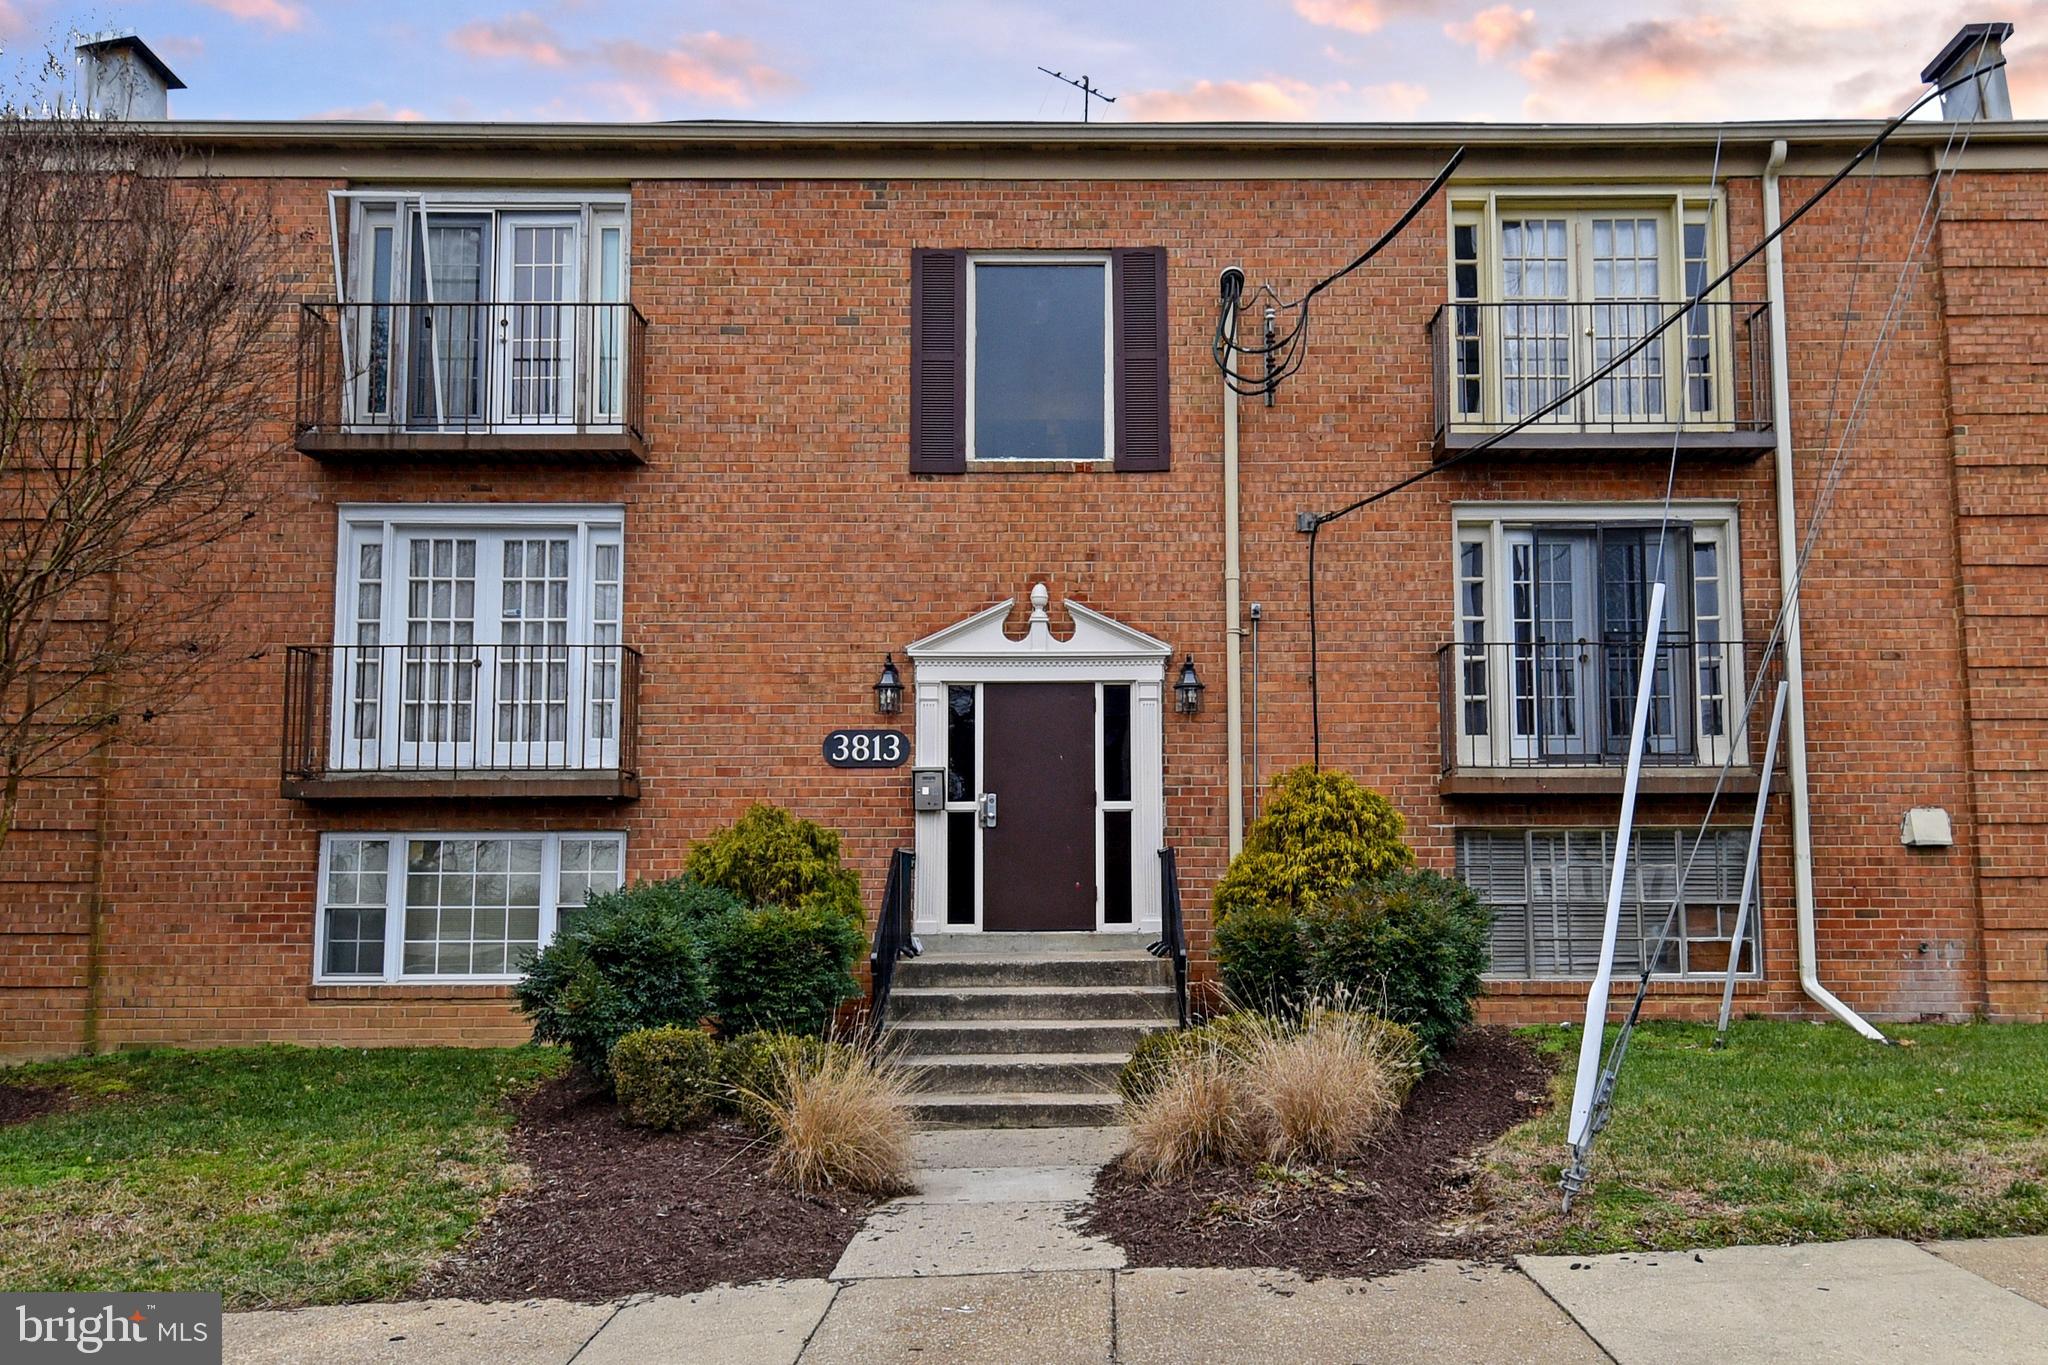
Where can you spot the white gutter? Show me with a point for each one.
(1795, 666)
(1233, 623)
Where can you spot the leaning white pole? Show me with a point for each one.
(1749, 868)
(1588, 1082)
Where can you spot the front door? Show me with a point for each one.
(1038, 835)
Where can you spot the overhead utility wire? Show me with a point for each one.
(1312, 523)
(1293, 347)
(1575, 1176)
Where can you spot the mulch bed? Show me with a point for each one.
(614, 1210)
(20, 1103)
(1384, 1211)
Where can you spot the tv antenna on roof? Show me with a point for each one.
(1088, 91)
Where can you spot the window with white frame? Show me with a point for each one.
(1547, 889)
(479, 637)
(496, 310)
(1039, 345)
(454, 906)
(1546, 288)
(1552, 601)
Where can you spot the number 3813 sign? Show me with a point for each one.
(866, 749)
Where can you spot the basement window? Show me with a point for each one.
(1547, 889)
(452, 906)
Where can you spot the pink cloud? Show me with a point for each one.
(1275, 99)
(278, 14)
(709, 66)
(1495, 32)
(376, 111)
(1358, 16)
(517, 37)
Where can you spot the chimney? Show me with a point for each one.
(121, 78)
(1974, 47)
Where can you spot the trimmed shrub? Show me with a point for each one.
(1262, 957)
(843, 1124)
(686, 898)
(1319, 833)
(629, 960)
(781, 968)
(770, 857)
(755, 1067)
(667, 1077)
(1410, 945)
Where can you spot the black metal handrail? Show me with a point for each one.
(491, 366)
(460, 708)
(1535, 704)
(1496, 363)
(893, 939)
(1173, 935)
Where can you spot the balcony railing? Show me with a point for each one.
(1706, 380)
(492, 376)
(429, 719)
(1553, 706)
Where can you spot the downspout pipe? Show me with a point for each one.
(1231, 285)
(1795, 666)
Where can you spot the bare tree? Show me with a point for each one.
(143, 315)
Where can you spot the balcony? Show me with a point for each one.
(1533, 719)
(1704, 384)
(525, 380)
(377, 722)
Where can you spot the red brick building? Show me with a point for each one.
(618, 458)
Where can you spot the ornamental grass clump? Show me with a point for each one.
(1322, 1093)
(1198, 1115)
(840, 1122)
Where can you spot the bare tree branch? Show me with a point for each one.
(144, 315)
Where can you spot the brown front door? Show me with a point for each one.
(1038, 754)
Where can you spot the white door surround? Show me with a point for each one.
(1101, 650)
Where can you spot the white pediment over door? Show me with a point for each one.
(1100, 646)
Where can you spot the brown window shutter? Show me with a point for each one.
(1142, 441)
(938, 361)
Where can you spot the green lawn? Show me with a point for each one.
(274, 1175)
(1796, 1132)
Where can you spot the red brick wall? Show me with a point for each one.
(776, 547)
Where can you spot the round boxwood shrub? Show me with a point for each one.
(770, 857)
(1410, 946)
(667, 1077)
(1260, 951)
(628, 960)
(780, 967)
(1319, 833)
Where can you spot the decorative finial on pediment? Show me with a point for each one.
(1039, 634)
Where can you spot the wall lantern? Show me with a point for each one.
(888, 687)
(1187, 692)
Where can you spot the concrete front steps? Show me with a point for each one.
(1024, 1030)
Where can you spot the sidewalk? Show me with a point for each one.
(984, 1266)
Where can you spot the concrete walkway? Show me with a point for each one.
(985, 1265)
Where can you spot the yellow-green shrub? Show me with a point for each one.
(1320, 832)
(667, 1077)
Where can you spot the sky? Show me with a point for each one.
(1286, 60)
